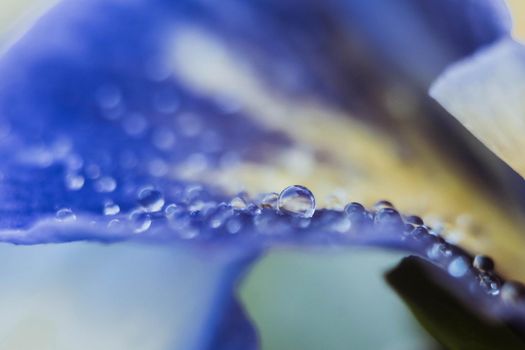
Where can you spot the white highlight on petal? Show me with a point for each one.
(486, 93)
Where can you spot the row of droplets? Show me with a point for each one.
(299, 203)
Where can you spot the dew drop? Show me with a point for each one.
(269, 200)
(74, 182)
(297, 201)
(152, 200)
(483, 263)
(238, 203)
(111, 208)
(414, 220)
(490, 283)
(65, 215)
(388, 217)
(105, 184)
(141, 220)
(458, 267)
(234, 225)
(383, 204)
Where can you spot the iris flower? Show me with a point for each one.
(153, 150)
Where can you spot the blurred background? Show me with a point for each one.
(301, 300)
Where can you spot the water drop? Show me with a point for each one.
(490, 283)
(414, 220)
(111, 208)
(105, 184)
(458, 267)
(269, 200)
(388, 217)
(74, 182)
(141, 220)
(483, 263)
(234, 225)
(420, 232)
(238, 203)
(151, 199)
(65, 215)
(383, 204)
(297, 201)
(220, 216)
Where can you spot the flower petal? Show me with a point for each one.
(484, 92)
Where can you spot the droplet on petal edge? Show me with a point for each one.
(297, 201)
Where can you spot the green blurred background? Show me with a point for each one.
(308, 299)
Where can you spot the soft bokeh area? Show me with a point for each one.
(298, 299)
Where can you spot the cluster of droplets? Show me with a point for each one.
(457, 262)
(272, 213)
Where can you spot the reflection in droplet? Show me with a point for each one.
(238, 203)
(297, 201)
(152, 200)
(65, 215)
(269, 200)
(141, 220)
(483, 263)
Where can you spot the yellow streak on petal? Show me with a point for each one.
(517, 9)
(362, 164)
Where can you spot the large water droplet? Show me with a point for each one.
(151, 199)
(65, 215)
(297, 201)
